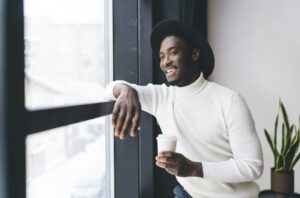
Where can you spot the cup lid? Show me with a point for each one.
(166, 137)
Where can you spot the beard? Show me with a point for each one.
(173, 82)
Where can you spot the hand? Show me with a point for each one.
(178, 165)
(127, 109)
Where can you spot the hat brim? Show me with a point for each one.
(169, 27)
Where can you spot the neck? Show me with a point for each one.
(194, 76)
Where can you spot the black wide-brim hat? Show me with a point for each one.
(169, 27)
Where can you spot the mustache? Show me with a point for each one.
(169, 67)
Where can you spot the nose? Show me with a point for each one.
(167, 60)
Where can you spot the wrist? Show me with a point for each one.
(197, 169)
(120, 89)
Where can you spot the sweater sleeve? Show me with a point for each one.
(148, 95)
(246, 163)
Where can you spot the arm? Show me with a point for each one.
(246, 163)
(127, 109)
(177, 164)
(130, 99)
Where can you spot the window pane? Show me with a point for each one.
(66, 51)
(68, 162)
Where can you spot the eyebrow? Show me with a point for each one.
(169, 49)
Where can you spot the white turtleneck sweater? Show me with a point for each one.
(214, 126)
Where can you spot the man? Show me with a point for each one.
(218, 152)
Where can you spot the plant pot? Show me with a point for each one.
(282, 182)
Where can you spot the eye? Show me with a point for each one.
(161, 57)
(173, 52)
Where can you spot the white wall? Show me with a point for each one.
(257, 50)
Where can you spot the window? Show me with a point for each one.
(67, 64)
(66, 52)
(68, 162)
(24, 126)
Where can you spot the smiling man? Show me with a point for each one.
(173, 57)
(218, 152)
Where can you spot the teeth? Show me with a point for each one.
(169, 70)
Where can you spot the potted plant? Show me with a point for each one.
(285, 159)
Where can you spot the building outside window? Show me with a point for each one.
(67, 45)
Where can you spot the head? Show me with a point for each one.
(179, 60)
(193, 53)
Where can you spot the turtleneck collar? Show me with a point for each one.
(197, 86)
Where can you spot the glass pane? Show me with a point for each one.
(66, 51)
(68, 162)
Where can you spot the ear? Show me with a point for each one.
(196, 54)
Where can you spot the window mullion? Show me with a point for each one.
(41, 120)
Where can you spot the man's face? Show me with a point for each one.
(176, 61)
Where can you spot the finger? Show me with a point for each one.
(161, 165)
(172, 171)
(166, 166)
(125, 124)
(165, 159)
(135, 123)
(166, 153)
(119, 124)
(115, 114)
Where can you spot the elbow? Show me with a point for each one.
(255, 170)
(250, 170)
(259, 171)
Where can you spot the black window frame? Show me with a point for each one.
(134, 157)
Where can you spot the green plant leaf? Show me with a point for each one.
(284, 114)
(275, 135)
(270, 143)
(288, 138)
(291, 152)
(283, 139)
(295, 161)
(295, 138)
(287, 125)
(279, 166)
(298, 156)
(280, 169)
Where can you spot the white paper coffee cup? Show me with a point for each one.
(166, 143)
